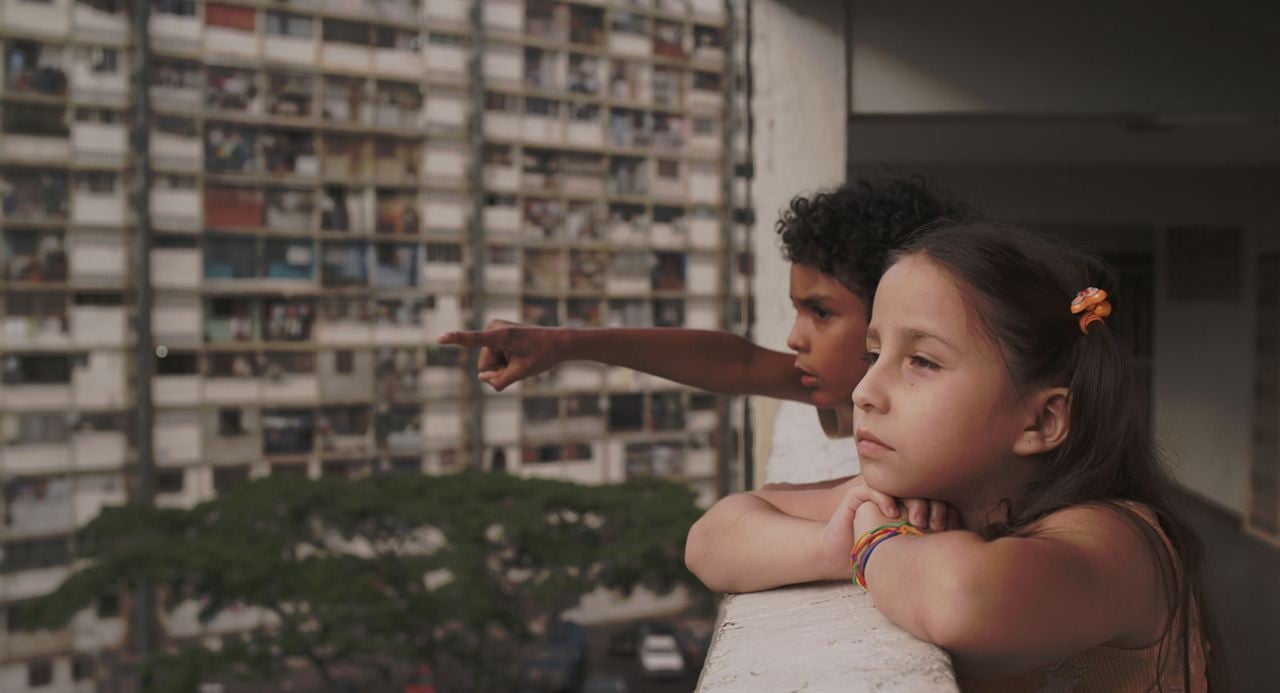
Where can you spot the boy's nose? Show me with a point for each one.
(795, 339)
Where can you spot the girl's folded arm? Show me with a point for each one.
(1084, 577)
(745, 544)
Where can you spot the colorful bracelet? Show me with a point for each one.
(869, 541)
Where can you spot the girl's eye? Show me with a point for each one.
(922, 362)
(870, 357)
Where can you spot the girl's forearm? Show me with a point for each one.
(744, 544)
(917, 582)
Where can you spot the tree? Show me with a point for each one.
(363, 577)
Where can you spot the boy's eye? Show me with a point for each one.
(821, 313)
(922, 362)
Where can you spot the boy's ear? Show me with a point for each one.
(1048, 429)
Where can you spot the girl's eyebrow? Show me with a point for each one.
(915, 334)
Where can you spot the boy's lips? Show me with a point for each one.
(807, 379)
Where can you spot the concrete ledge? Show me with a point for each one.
(827, 637)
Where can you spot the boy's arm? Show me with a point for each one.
(1084, 578)
(715, 361)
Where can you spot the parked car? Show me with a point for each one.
(660, 656)
(569, 636)
(551, 670)
(625, 641)
(605, 684)
(694, 636)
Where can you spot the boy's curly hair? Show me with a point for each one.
(848, 231)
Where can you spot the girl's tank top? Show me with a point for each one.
(1106, 669)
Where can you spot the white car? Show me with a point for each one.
(660, 657)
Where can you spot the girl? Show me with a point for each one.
(990, 388)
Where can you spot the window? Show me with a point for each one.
(347, 32)
(231, 422)
(103, 60)
(345, 361)
(444, 253)
(177, 363)
(225, 478)
(286, 24)
(82, 667)
(626, 412)
(39, 673)
(33, 554)
(168, 481)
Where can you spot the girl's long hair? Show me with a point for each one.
(1021, 286)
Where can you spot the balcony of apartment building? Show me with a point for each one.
(28, 568)
(442, 268)
(291, 96)
(345, 209)
(445, 162)
(397, 52)
(345, 157)
(706, 92)
(575, 461)
(543, 219)
(667, 84)
(397, 105)
(230, 31)
(395, 161)
(670, 228)
(540, 311)
(503, 65)
(398, 320)
(45, 18)
(627, 224)
(232, 376)
(628, 177)
(231, 434)
(585, 127)
(288, 432)
(174, 26)
(502, 269)
(440, 313)
(543, 120)
(176, 203)
(705, 136)
(630, 80)
(501, 216)
(99, 441)
(504, 16)
(447, 111)
(343, 430)
(442, 373)
(346, 374)
(289, 376)
(268, 264)
(395, 266)
(397, 374)
(344, 264)
(670, 40)
(629, 128)
(708, 46)
(34, 380)
(98, 199)
(500, 169)
(38, 505)
(346, 45)
(703, 183)
(99, 137)
(344, 100)
(100, 75)
(176, 379)
(502, 115)
(446, 54)
(232, 90)
(669, 183)
(444, 212)
(36, 442)
(629, 34)
(399, 429)
(35, 134)
(442, 425)
(34, 256)
(177, 85)
(290, 38)
(36, 320)
(34, 195)
(344, 320)
(396, 212)
(101, 21)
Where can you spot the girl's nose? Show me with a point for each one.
(869, 396)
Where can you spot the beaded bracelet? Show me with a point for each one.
(869, 541)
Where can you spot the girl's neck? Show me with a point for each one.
(986, 503)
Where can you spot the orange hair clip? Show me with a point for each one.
(1093, 303)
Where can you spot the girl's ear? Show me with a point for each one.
(1051, 408)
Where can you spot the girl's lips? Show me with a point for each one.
(869, 445)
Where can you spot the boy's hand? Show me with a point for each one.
(510, 351)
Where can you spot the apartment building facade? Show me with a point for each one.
(311, 220)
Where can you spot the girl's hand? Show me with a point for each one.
(509, 351)
(839, 534)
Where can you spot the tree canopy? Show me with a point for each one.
(360, 577)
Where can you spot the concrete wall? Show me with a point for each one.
(799, 102)
(1089, 56)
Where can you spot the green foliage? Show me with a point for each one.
(363, 574)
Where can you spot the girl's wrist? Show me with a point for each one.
(831, 567)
